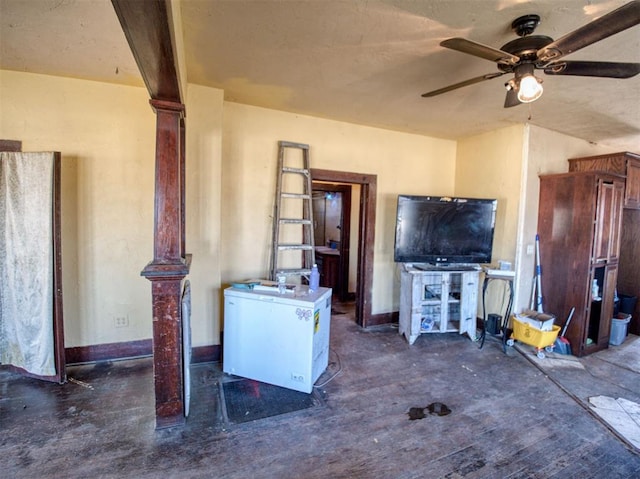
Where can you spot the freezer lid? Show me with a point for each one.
(307, 301)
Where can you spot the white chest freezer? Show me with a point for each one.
(280, 339)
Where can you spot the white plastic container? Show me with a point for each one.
(619, 326)
(314, 281)
(595, 291)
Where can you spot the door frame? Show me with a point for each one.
(366, 234)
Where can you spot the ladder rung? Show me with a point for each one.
(300, 196)
(300, 171)
(295, 221)
(291, 144)
(286, 246)
(303, 272)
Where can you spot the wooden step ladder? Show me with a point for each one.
(293, 251)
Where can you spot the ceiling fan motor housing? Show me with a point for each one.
(526, 48)
(525, 25)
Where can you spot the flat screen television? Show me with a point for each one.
(444, 230)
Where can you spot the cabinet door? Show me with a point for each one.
(610, 280)
(606, 246)
(434, 306)
(616, 221)
(407, 295)
(632, 187)
(469, 303)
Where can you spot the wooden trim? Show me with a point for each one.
(14, 146)
(109, 351)
(206, 354)
(365, 252)
(168, 197)
(24, 372)
(183, 187)
(146, 27)
(384, 318)
(366, 234)
(134, 349)
(345, 244)
(58, 322)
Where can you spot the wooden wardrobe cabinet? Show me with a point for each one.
(624, 163)
(579, 223)
(627, 164)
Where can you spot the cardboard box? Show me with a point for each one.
(541, 321)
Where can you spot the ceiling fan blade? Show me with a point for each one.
(594, 69)
(511, 99)
(609, 24)
(479, 50)
(455, 86)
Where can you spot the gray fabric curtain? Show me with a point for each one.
(26, 262)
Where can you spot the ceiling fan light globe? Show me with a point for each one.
(529, 89)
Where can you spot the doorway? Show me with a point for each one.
(366, 234)
(31, 265)
(332, 235)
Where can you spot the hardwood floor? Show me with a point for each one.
(511, 418)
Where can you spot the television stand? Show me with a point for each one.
(438, 300)
(447, 266)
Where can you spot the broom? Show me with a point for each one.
(538, 277)
(562, 345)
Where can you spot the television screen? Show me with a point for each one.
(442, 230)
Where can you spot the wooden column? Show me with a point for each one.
(147, 27)
(168, 267)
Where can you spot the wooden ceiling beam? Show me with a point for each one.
(148, 32)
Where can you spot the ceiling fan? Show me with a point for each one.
(528, 53)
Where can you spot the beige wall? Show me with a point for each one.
(106, 135)
(204, 156)
(403, 163)
(490, 166)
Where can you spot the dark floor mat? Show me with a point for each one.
(247, 400)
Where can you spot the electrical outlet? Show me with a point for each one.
(297, 377)
(121, 321)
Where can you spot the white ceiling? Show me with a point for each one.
(359, 61)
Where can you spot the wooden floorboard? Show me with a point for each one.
(511, 418)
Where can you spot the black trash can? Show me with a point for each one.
(493, 324)
(627, 303)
